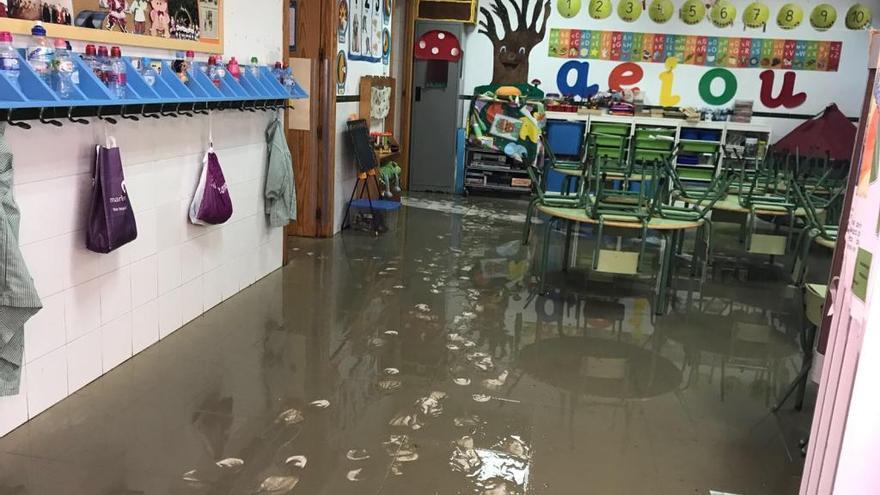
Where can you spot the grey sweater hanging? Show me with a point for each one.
(18, 296)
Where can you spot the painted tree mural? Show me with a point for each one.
(513, 45)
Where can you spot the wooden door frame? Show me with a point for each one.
(313, 151)
(406, 89)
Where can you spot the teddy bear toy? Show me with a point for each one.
(160, 23)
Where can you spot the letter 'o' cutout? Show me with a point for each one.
(730, 85)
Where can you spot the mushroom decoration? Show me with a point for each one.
(438, 45)
(438, 48)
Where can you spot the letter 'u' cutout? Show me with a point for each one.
(625, 74)
(730, 85)
(787, 97)
(667, 99)
(581, 86)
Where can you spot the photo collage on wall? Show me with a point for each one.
(365, 27)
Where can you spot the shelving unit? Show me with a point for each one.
(704, 147)
(448, 10)
(489, 170)
(33, 99)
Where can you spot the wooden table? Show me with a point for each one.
(826, 243)
(667, 227)
(731, 204)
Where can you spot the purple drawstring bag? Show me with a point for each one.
(111, 222)
(211, 204)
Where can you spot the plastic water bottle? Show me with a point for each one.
(148, 72)
(216, 71)
(90, 57)
(64, 74)
(9, 66)
(40, 53)
(287, 79)
(278, 72)
(103, 64)
(190, 59)
(116, 78)
(233, 69)
(255, 67)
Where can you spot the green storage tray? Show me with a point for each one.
(646, 143)
(698, 146)
(654, 131)
(650, 155)
(610, 141)
(695, 173)
(609, 128)
(611, 152)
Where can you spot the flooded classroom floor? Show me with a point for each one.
(423, 361)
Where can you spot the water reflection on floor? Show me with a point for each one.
(442, 373)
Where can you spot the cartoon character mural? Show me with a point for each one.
(160, 22)
(139, 9)
(513, 46)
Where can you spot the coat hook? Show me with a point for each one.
(147, 115)
(107, 119)
(75, 120)
(9, 120)
(127, 117)
(48, 121)
(163, 113)
(177, 110)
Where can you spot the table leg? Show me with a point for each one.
(545, 251)
(567, 257)
(665, 265)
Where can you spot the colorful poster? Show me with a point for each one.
(709, 51)
(366, 18)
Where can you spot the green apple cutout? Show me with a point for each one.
(790, 16)
(568, 8)
(600, 9)
(661, 11)
(692, 11)
(823, 16)
(629, 10)
(723, 13)
(756, 15)
(858, 17)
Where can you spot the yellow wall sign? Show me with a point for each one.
(568, 8)
(629, 10)
(790, 16)
(600, 9)
(756, 14)
(723, 13)
(661, 11)
(858, 17)
(823, 16)
(692, 11)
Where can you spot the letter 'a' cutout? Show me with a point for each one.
(581, 86)
(787, 97)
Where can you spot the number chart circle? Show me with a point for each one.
(661, 11)
(823, 16)
(790, 16)
(629, 10)
(692, 11)
(568, 8)
(756, 15)
(723, 13)
(858, 17)
(599, 9)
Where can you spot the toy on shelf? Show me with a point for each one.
(382, 142)
(389, 179)
(116, 18)
(160, 22)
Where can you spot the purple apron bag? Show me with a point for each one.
(111, 221)
(212, 203)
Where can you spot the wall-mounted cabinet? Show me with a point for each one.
(447, 10)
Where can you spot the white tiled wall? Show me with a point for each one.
(99, 310)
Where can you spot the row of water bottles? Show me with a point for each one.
(53, 63)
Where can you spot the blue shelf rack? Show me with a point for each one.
(33, 99)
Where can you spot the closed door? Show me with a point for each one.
(434, 120)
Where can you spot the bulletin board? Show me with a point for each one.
(195, 25)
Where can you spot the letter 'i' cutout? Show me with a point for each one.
(667, 99)
(787, 97)
(625, 74)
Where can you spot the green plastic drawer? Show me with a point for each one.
(646, 143)
(611, 152)
(648, 155)
(609, 141)
(607, 128)
(698, 147)
(695, 173)
(654, 131)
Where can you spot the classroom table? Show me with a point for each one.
(670, 229)
(826, 243)
(730, 203)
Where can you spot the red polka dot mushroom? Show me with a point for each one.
(438, 45)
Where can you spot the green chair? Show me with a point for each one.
(538, 173)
